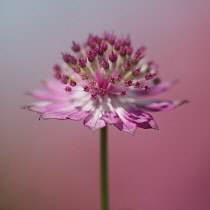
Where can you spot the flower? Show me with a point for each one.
(104, 82)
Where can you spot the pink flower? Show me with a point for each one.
(104, 83)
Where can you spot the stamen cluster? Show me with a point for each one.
(106, 65)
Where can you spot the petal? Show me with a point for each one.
(126, 126)
(38, 107)
(78, 114)
(94, 121)
(158, 105)
(110, 117)
(142, 119)
(48, 96)
(153, 90)
(53, 85)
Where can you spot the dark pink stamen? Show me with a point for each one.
(56, 67)
(117, 46)
(145, 87)
(82, 62)
(135, 59)
(129, 50)
(129, 82)
(92, 83)
(68, 89)
(141, 51)
(72, 83)
(64, 79)
(112, 39)
(93, 95)
(113, 57)
(127, 65)
(119, 77)
(148, 76)
(136, 85)
(104, 46)
(123, 51)
(86, 89)
(75, 47)
(76, 69)
(105, 64)
(112, 80)
(90, 56)
(66, 57)
(57, 75)
(102, 91)
(72, 60)
(84, 77)
(136, 72)
(123, 93)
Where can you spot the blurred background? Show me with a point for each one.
(53, 165)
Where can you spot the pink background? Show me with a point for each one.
(54, 164)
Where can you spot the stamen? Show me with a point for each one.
(136, 85)
(92, 83)
(66, 57)
(91, 56)
(129, 50)
(57, 75)
(111, 39)
(113, 57)
(82, 62)
(93, 95)
(123, 93)
(56, 67)
(141, 51)
(105, 64)
(127, 65)
(149, 76)
(64, 79)
(72, 83)
(72, 60)
(136, 72)
(145, 87)
(104, 46)
(86, 89)
(84, 77)
(75, 47)
(129, 82)
(76, 69)
(123, 51)
(117, 46)
(135, 59)
(112, 80)
(99, 50)
(68, 89)
(119, 77)
(102, 91)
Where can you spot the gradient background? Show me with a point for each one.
(53, 165)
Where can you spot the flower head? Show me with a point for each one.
(104, 82)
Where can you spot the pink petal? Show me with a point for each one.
(126, 126)
(158, 105)
(48, 96)
(142, 119)
(110, 117)
(94, 121)
(53, 85)
(78, 114)
(153, 90)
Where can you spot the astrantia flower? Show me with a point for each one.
(104, 82)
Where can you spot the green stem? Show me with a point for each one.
(104, 170)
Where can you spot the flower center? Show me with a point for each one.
(106, 65)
